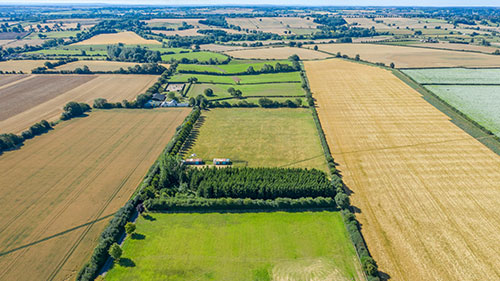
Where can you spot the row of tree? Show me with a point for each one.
(180, 204)
(145, 68)
(259, 183)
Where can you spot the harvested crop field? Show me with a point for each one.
(276, 25)
(38, 97)
(260, 138)
(240, 246)
(458, 47)
(411, 57)
(21, 65)
(427, 191)
(126, 37)
(60, 189)
(277, 53)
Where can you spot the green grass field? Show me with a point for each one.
(239, 246)
(200, 56)
(480, 103)
(260, 137)
(234, 66)
(240, 79)
(54, 34)
(455, 75)
(220, 90)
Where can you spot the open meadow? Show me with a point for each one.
(260, 138)
(239, 246)
(60, 189)
(36, 97)
(411, 57)
(234, 66)
(261, 90)
(427, 191)
(277, 53)
(125, 37)
(201, 56)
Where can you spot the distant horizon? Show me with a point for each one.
(263, 3)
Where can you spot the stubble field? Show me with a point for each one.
(125, 37)
(411, 57)
(277, 53)
(21, 65)
(33, 98)
(60, 189)
(427, 191)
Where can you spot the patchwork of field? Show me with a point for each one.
(239, 246)
(97, 65)
(125, 37)
(21, 65)
(36, 97)
(234, 66)
(263, 90)
(277, 53)
(410, 57)
(240, 79)
(201, 56)
(276, 25)
(427, 191)
(455, 75)
(60, 189)
(260, 138)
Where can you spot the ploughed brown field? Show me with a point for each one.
(30, 99)
(61, 188)
(427, 191)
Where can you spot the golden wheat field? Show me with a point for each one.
(36, 97)
(427, 191)
(60, 189)
(125, 37)
(21, 65)
(410, 57)
(276, 53)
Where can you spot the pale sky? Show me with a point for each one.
(495, 3)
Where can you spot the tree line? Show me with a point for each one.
(145, 68)
(259, 183)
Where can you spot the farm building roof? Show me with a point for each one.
(158, 97)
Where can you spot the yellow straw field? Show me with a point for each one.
(427, 191)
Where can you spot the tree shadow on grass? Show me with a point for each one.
(191, 139)
(138, 236)
(126, 262)
(148, 217)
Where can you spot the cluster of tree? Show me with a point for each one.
(235, 92)
(10, 141)
(102, 103)
(348, 32)
(214, 32)
(135, 54)
(36, 129)
(115, 228)
(259, 183)
(219, 21)
(329, 22)
(219, 204)
(6, 27)
(74, 109)
(269, 103)
(199, 101)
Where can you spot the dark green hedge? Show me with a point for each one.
(211, 204)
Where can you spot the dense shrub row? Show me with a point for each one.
(342, 199)
(37, 129)
(182, 134)
(74, 109)
(210, 204)
(116, 227)
(259, 183)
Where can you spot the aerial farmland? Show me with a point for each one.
(253, 142)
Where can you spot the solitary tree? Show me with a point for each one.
(357, 57)
(315, 47)
(392, 65)
(130, 228)
(115, 252)
(208, 92)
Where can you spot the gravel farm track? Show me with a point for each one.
(60, 189)
(427, 191)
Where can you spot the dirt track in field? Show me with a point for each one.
(43, 96)
(60, 189)
(427, 191)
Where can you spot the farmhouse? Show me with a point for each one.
(174, 87)
(222, 161)
(173, 103)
